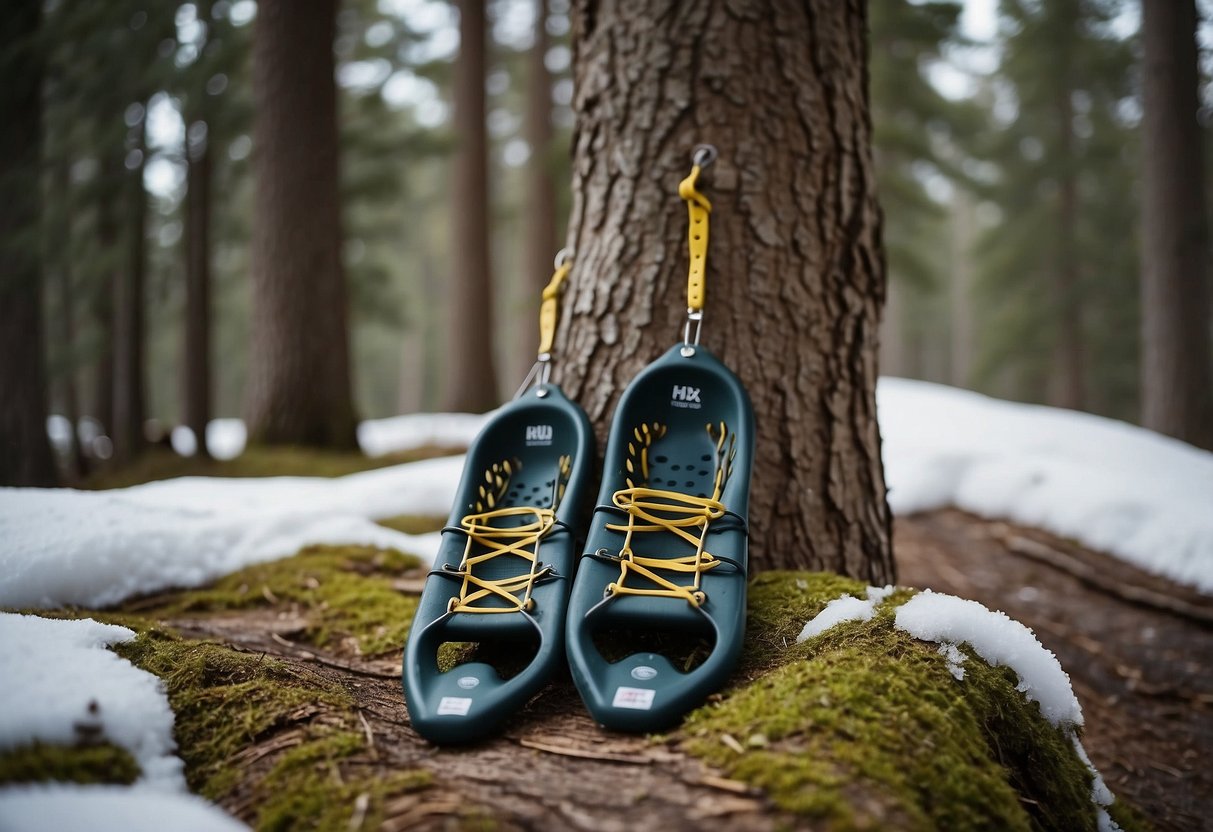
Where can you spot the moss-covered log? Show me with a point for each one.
(290, 716)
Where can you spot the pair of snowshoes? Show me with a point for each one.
(663, 565)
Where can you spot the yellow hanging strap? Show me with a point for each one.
(697, 237)
(521, 541)
(550, 308)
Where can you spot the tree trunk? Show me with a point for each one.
(541, 187)
(77, 463)
(960, 288)
(25, 451)
(129, 397)
(471, 378)
(796, 273)
(196, 385)
(1177, 358)
(1067, 385)
(103, 302)
(299, 368)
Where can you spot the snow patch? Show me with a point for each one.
(1117, 488)
(955, 658)
(1001, 641)
(96, 548)
(226, 438)
(950, 622)
(846, 608)
(415, 430)
(72, 689)
(75, 808)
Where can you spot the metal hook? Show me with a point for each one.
(691, 340)
(703, 155)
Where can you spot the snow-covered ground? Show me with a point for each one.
(225, 438)
(69, 689)
(94, 548)
(1003, 642)
(1117, 488)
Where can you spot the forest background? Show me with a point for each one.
(1007, 146)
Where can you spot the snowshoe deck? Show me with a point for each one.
(666, 550)
(504, 568)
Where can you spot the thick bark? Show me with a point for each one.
(196, 383)
(541, 187)
(796, 274)
(129, 369)
(471, 380)
(299, 389)
(25, 451)
(1177, 358)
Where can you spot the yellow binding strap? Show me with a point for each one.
(551, 306)
(697, 237)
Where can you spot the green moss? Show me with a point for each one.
(228, 704)
(413, 523)
(40, 763)
(225, 701)
(778, 605)
(307, 790)
(865, 727)
(342, 590)
(161, 464)
(1128, 818)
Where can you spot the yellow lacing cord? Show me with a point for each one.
(550, 307)
(697, 238)
(645, 508)
(655, 510)
(521, 541)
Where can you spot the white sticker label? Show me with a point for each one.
(638, 699)
(454, 706)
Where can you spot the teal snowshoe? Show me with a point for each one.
(505, 564)
(666, 555)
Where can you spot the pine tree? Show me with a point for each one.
(1177, 360)
(1057, 268)
(471, 379)
(916, 135)
(25, 453)
(299, 369)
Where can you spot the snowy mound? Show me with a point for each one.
(415, 430)
(72, 808)
(1114, 487)
(73, 689)
(998, 639)
(72, 686)
(225, 438)
(95, 548)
